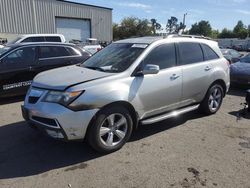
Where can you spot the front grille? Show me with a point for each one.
(33, 100)
(46, 121)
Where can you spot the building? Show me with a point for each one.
(74, 20)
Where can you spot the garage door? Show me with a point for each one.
(77, 29)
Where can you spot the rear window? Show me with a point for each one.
(33, 39)
(190, 53)
(53, 51)
(209, 54)
(53, 39)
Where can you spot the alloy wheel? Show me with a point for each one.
(215, 99)
(113, 129)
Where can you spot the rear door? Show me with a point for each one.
(196, 72)
(160, 92)
(16, 71)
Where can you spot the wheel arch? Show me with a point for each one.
(222, 83)
(125, 104)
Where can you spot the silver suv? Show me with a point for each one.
(140, 80)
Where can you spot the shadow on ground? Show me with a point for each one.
(25, 152)
(9, 100)
(241, 114)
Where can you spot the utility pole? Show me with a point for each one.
(184, 18)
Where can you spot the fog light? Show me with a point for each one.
(54, 134)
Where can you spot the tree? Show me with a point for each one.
(202, 28)
(215, 34)
(240, 30)
(132, 27)
(225, 33)
(248, 28)
(155, 25)
(172, 25)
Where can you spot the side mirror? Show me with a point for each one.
(150, 69)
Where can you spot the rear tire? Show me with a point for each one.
(110, 130)
(213, 100)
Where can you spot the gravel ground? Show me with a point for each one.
(189, 151)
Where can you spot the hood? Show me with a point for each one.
(240, 68)
(62, 78)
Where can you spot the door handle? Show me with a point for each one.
(174, 77)
(207, 68)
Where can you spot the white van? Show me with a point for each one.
(38, 38)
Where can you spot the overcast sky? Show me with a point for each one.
(220, 13)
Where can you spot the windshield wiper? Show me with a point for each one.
(95, 68)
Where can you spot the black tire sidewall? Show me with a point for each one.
(93, 133)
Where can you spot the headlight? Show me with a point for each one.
(63, 98)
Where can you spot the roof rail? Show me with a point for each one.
(189, 36)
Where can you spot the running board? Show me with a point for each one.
(169, 115)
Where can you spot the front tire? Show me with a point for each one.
(213, 100)
(110, 130)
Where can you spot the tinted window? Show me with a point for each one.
(52, 51)
(21, 57)
(209, 53)
(34, 39)
(164, 56)
(72, 51)
(53, 39)
(190, 53)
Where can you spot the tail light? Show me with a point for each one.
(98, 49)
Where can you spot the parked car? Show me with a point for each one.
(231, 55)
(136, 80)
(240, 71)
(38, 38)
(91, 45)
(19, 63)
(238, 47)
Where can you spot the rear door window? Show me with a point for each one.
(53, 51)
(53, 39)
(190, 53)
(209, 54)
(164, 56)
(34, 39)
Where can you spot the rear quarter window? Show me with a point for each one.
(209, 53)
(190, 53)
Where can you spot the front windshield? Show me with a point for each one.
(3, 50)
(245, 59)
(116, 57)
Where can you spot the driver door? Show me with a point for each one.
(159, 93)
(16, 72)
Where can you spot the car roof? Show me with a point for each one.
(141, 40)
(174, 37)
(40, 44)
(41, 35)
